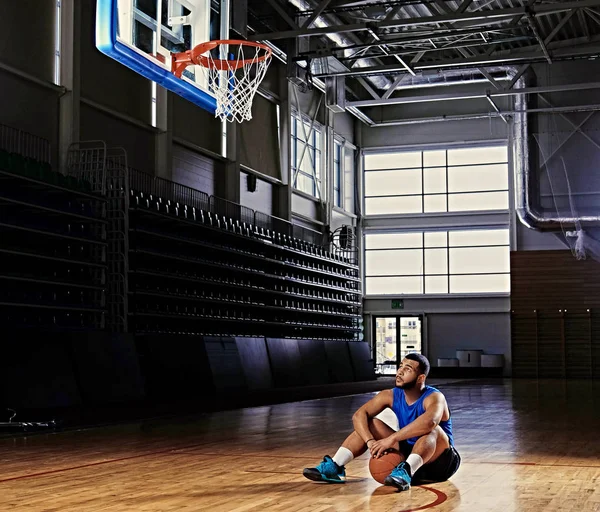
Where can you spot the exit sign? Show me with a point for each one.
(398, 304)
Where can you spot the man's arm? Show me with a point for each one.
(372, 408)
(434, 406)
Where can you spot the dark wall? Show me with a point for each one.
(137, 141)
(27, 41)
(555, 315)
(96, 369)
(106, 81)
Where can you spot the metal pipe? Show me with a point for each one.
(529, 213)
(486, 115)
(473, 95)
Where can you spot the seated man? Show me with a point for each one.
(424, 438)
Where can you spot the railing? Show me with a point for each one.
(225, 208)
(167, 189)
(182, 194)
(13, 140)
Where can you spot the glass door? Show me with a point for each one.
(410, 335)
(386, 345)
(394, 337)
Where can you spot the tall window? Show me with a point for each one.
(438, 262)
(337, 174)
(306, 156)
(449, 180)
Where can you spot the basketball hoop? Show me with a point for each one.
(234, 80)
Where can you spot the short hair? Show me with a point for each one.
(424, 365)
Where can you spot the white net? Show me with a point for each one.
(234, 78)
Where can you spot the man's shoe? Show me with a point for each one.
(327, 471)
(399, 477)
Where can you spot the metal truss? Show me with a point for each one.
(390, 43)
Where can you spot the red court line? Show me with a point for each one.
(440, 498)
(92, 464)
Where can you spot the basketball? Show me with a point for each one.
(382, 467)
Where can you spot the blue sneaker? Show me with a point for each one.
(327, 471)
(399, 477)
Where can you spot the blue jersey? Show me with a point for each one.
(408, 413)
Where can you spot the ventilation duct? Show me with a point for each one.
(529, 213)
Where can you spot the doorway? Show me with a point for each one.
(394, 337)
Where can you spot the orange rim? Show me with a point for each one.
(196, 56)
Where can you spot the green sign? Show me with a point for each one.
(398, 304)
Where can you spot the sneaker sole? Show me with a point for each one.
(318, 477)
(397, 485)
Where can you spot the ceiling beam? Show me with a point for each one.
(484, 17)
(317, 12)
(563, 50)
(281, 11)
(485, 115)
(473, 95)
(417, 37)
(464, 6)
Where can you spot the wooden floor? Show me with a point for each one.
(525, 445)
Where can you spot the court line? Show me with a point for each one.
(440, 498)
(100, 463)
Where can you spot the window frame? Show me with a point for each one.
(338, 172)
(448, 274)
(447, 167)
(314, 149)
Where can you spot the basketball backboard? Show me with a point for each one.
(142, 34)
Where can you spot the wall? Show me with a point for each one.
(27, 46)
(555, 321)
(489, 332)
(194, 170)
(453, 323)
(261, 199)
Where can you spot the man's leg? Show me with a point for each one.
(426, 450)
(333, 469)
(355, 444)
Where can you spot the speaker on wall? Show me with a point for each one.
(251, 183)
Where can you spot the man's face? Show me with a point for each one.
(407, 374)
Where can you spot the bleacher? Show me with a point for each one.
(105, 247)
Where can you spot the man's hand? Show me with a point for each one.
(378, 448)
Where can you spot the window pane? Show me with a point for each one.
(393, 160)
(389, 205)
(495, 283)
(434, 180)
(305, 184)
(388, 183)
(394, 241)
(488, 155)
(478, 177)
(434, 158)
(436, 284)
(401, 262)
(434, 203)
(393, 285)
(436, 239)
(302, 129)
(479, 237)
(478, 201)
(436, 261)
(475, 260)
